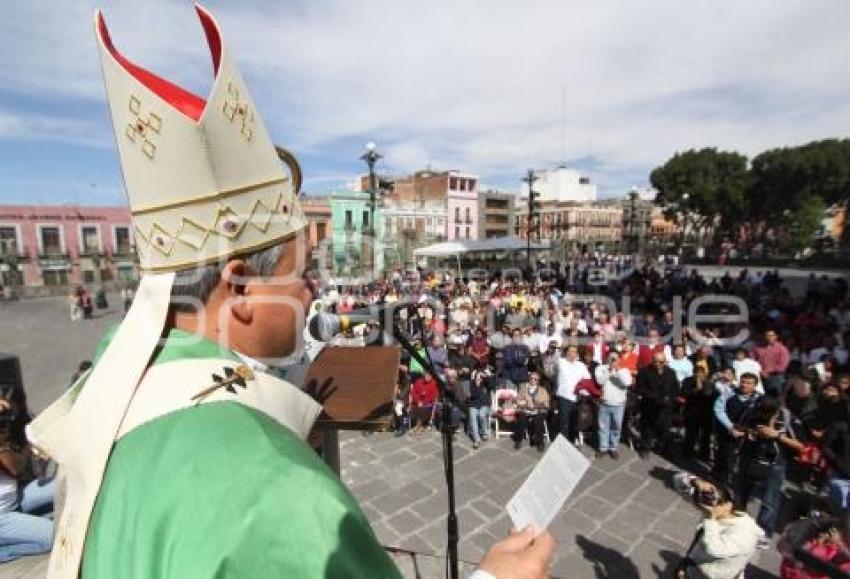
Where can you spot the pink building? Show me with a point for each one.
(320, 224)
(462, 206)
(44, 246)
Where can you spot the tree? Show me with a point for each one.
(786, 181)
(799, 226)
(708, 185)
(792, 174)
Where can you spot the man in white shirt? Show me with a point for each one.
(614, 382)
(680, 364)
(551, 336)
(571, 371)
(744, 363)
(534, 340)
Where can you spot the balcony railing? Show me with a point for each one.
(91, 252)
(54, 254)
(123, 252)
(13, 253)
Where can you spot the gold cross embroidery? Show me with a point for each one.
(64, 543)
(142, 130)
(239, 110)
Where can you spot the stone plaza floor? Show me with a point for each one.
(622, 522)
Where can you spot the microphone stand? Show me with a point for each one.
(447, 402)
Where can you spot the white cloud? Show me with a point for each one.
(477, 85)
(37, 127)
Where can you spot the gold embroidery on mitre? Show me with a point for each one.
(192, 233)
(239, 111)
(160, 239)
(228, 223)
(261, 221)
(142, 130)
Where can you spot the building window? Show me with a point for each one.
(88, 276)
(457, 232)
(468, 216)
(55, 277)
(349, 218)
(51, 240)
(321, 231)
(89, 240)
(122, 240)
(365, 220)
(8, 241)
(453, 183)
(467, 232)
(457, 214)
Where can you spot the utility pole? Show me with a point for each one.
(533, 210)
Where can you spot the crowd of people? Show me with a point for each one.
(739, 376)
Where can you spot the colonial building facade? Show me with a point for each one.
(495, 214)
(320, 223)
(43, 246)
(574, 224)
(352, 246)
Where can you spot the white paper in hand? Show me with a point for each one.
(548, 486)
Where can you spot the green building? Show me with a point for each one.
(351, 248)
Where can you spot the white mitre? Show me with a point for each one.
(204, 183)
(203, 178)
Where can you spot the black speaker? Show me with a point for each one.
(10, 371)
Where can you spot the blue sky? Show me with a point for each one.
(476, 86)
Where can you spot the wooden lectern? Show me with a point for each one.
(361, 382)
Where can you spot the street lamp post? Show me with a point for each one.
(371, 156)
(533, 207)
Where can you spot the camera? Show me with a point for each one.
(689, 485)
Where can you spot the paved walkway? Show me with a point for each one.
(623, 520)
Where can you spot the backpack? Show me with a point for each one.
(585, 414)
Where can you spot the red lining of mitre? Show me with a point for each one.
(187, 103)
(212, 33)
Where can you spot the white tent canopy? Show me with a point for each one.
(461, 247)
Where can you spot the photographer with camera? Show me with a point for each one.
(768, 447)
(22, 531)
(725, 540)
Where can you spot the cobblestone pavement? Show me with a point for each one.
(622, 522)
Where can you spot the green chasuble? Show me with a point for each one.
(221, 490)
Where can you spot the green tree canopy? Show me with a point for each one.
(788, 178)
(707, 182)
(799, 225)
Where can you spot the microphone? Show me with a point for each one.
(324, 326)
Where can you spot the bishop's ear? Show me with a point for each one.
(235, 276)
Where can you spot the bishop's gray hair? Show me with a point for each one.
(194, 286)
